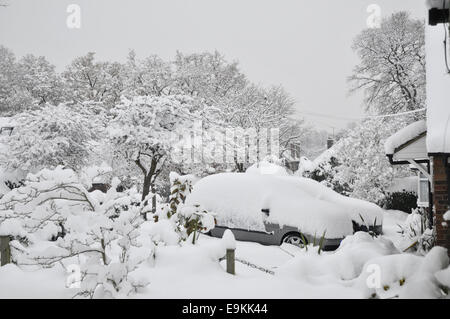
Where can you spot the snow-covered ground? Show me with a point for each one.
(193, 271)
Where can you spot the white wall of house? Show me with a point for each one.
(438, 87)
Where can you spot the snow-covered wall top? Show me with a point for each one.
(404, 135)
(438, 88)
(6, 121)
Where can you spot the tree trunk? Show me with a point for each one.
(153, 199)
(146, 187)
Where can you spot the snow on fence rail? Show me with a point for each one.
(5, 250)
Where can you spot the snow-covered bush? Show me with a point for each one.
(407, 276)
(50, 136)
(405, 201)
(416, 234)
(188, 220)
(193, 221)
(181, 186)
(356, 165)
(101, 230)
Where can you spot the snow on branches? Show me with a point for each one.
(50, 136)
(144, 130)
(100, 231)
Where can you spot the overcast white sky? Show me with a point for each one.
(305, 46)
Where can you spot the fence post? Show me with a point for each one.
(5, 250)
(230, 261)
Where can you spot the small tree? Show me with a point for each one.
(189, 220)
(143, 132)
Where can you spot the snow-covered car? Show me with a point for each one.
(273, 209)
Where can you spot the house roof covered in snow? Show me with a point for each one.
(438, 88)
(404, 136)
(328, 153)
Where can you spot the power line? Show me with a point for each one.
(361, 117)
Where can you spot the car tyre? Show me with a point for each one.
(295, 239)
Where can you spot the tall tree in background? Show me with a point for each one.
(149, 76)
(208, 76)
(89, 80)
(392, 67)
(13, 98)
(391, 73)
(38, 77)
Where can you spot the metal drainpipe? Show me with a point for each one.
(430, 195)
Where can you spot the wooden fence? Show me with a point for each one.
(5, 250)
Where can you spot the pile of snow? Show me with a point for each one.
(305, 165)
(406, 275)
(346, 263)
(373, 267)
(363, 267)
(438, 94)
(237, 200)
(228, 240)
(404, 135)
(267, 168)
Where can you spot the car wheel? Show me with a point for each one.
(294, 239)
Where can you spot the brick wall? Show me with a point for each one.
(441, 200)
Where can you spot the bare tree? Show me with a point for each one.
(392, 67)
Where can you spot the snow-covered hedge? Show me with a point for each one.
(53, 218)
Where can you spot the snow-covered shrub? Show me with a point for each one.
(181, 186)
(415, 232)
(323, 171)
(405, 201)
(406, 276)
(193, 221)
(188, 220)
(356, 165)
(101, 230)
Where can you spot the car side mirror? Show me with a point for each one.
(266, 211)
